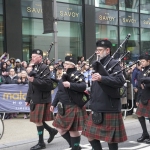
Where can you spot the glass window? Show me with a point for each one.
(105, 16)
(1, 28)
(89, 2)
(70, 41)
(1, 7)
(129, 19)
(145, 6)
(133, 42)
(145, 40)
(129, 5)
(108, 32)
(145, 21)
(78, 2)
(110, 4)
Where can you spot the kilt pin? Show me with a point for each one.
(111, 130)
(73, 120)
(143, 110)
(41, 113)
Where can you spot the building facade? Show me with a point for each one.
(79, 24)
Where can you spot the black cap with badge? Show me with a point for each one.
(70, 60)
(104, 43)
(144, 56)
(37, 51)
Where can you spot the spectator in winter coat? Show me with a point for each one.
(12, 78)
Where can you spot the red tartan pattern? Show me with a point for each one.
(41, 113)
(73, 120)
(111, 130)
(143, 110)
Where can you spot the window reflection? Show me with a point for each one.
(108, 32)
(145, 6)
(111, 4)
(133, 42)
(70, 39)
(79, 2)
(145, 40)
(129, 5)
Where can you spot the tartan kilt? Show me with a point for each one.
(143, 110)
(41, 113)
(73, 120)
(111, 130)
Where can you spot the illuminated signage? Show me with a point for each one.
(129, 19)
(104, 16)
(64, 11)
(145, 21)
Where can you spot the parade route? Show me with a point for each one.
(21, 134)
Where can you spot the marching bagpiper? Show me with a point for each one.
(70, 118)
(143, 98)
(105, 121)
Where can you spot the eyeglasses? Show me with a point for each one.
(17, 62)
(99, 50)
(66, 64)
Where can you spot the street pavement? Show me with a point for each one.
(21, 134)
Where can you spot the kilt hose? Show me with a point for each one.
(73, 120)
(41, 113)
(111, 130)
(143, 110)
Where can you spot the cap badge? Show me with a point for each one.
(70, 58)
(102, 42)
(38, 52)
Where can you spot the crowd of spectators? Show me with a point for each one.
(15, 71)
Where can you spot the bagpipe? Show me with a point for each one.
(41, 74)
(102, 70)
(52, 61)
(146, 76)
(75, 76)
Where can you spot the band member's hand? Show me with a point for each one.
(96, 77)
(30, 79)
(135, 90)
(66, 84)
(142, 86)
(27, 104)
(137, 103)
(52, 108)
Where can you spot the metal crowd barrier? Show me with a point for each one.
(132, 100)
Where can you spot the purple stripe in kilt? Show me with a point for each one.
(41, 113)
(143, 110)
(112, 129)
(73, 120)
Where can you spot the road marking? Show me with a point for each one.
(136, 146)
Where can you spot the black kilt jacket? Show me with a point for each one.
(101, 101)
(40, 89)
(143, 94)
(66, 95)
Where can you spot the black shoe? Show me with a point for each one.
(148, 141)
(51, 135)
(142, 138)
(79, 148)
(38, 146)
